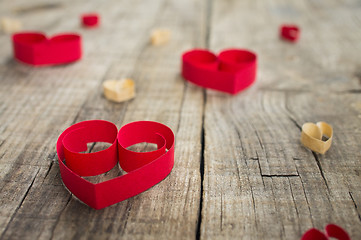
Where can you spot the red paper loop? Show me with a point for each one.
(90, 20)
(233, 70)
(234, 60)
(35, 49)
(200, 58)
(332, 231)
(144, 169)
(97, 162)
(129, 160)
(290, 32)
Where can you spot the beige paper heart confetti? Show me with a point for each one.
(119, 90)
(159, 36)
(311, 136)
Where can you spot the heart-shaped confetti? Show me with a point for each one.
(290, 32)
(36, 49)
(331, 231)
(144, 169)
(159, 36)
(231, 71)
(90, 20)
(119, 90)
(312, 136)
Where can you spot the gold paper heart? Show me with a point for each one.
(159, 36)
(311, 136)
(119, 90)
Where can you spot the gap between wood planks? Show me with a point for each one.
(209, 5)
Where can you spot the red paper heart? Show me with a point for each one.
(232, 71)
(144, 170)
(332, 231)
(290, 32)
(90, 20)
(36, 49)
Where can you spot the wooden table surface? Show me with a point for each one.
(240, 170)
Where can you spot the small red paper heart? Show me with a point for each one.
(144, 169)
(231, 71)
(314, 234)
(290, 32)
(90, 20)
(36, 49)
(332, 231)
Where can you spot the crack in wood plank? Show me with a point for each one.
(20, 204)
(259, 140)
(282, 176)
(308, 204)
(260, 173)
(201, 169)
(294, 202)
(208, 14)
(59, 216)
(356, 207)
(49, 168)
(320, 168)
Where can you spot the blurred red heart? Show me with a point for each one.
(36, 49)
(90, 20)
(231, 71)
(290, 32)
(332, 231)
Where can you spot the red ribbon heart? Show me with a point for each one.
(232, 71)
(90, 20)
(290, 32)
(144, 170)
(36, 49)
(332, 231)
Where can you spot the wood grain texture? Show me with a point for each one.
(240, 170)
(38, 103)
(259, 182)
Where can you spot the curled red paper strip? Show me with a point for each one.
(90, 20)
(332, 231)
(144, 170)
(36, 49)
(290, 32)
(232, 71)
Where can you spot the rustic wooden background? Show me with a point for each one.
(240, 171)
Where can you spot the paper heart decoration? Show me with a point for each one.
(144, 169)
(311, 136)
(290, 32)
(119, 90)
(90, 20)
(231, 71)
(36, 49)
(332, 231)
(160, 36)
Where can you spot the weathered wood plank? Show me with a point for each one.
(259, 182)
(48, 100)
